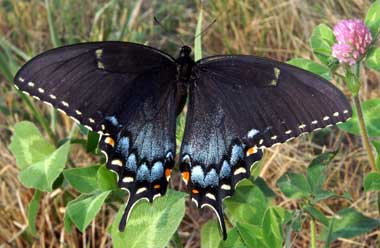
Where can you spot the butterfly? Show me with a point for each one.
(131, 95)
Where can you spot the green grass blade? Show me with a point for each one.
(5, 44)
(53, 32)
(198, 38)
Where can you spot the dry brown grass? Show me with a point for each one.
(272, 28)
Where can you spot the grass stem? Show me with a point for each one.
(363, 129)
(313, 240)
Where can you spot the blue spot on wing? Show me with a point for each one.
(212, 178)
(113, 120)
(157, 171)
(131, 163)
(143, 173)
(123, 145)
(236, 155)
(226, 170)
(197, 175)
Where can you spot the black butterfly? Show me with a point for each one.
(131, 94)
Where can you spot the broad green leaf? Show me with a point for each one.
(294, 186)
(315, 173)
(41, 175)
(311, 66)
(352, 82)
(316, 214)
(372, 19)
(82, 179)
(349, 224)
(210, 234)
(233, 240)
(150, 225)
(372, 181)
(371, 110)
(33, 211)
(67, 223)
(28, 145)
(373, 59)
(84, 210)
(272, 228)
(251, 235)
(247, 205)
(376, 144)
(106, 179)
(321, 41)
(198, 38)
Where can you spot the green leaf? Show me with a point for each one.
(247, 205)
(349, 224)
(84, 210)
(106, 179)
(272, 226)
(42, 175)
(372, 181)
(321, 41)
(28, 145)
(373, 59)
(33, 211)
(352, 82)
(372, 19)
(323, 194)
(233, 240)
(198, 38)
(371, 110)
(82, 179)
(263, 186)
(311, 66)
(150, 225)
(92, 141)
(294, 186)
(376, 144)
(315, 173)
(316, 214)
(67, 223)
(251, 235)
(210, 234)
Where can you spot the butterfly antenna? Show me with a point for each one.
(205, 30)
(156, 21)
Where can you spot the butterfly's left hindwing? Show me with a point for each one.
(239, 105)
(126, 92)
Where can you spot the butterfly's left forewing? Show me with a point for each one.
(237, 106)
(126, 92)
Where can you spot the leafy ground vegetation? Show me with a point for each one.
(319, 190)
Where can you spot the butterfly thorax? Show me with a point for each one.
(184, 64)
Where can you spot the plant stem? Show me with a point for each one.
(313, 241)
(363, 130)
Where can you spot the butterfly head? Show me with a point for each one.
(185, 52)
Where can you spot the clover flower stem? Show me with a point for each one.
(363, 130)
(313, 241)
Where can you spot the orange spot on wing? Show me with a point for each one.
(157, 186)
(110, 141)
(168, 172)
(185, 176)
(195, 191)
(251, 151)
